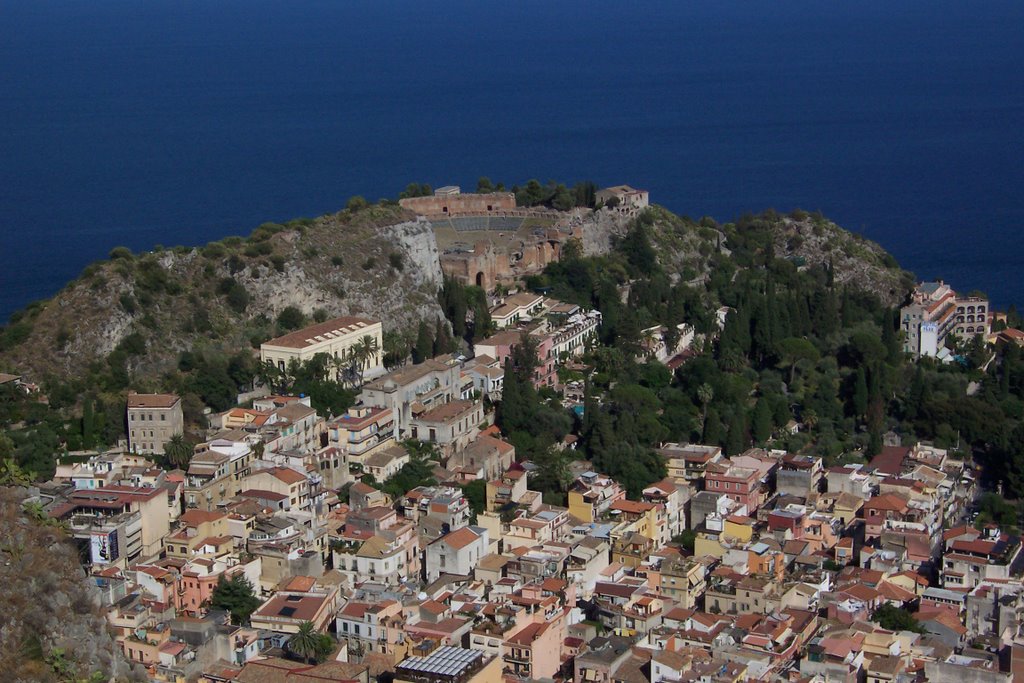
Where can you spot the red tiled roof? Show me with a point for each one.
(300, 338)
(460, 538)
(152, 400)
(890, 460)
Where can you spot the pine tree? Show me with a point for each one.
(236, 596)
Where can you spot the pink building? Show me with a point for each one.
(741, 484)
(500, 345)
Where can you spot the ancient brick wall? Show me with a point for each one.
(454, 205)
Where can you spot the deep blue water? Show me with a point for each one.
(182, 121)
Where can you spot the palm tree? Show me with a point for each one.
(306, 642)
(178, 451)
(368, 348)
(360, 354)
(704, 394)
(338, 364)
(12, 474)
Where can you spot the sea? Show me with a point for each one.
(167, 122)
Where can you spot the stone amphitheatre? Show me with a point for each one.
(486, 240)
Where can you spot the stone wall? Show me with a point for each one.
(486, 267)
(451, 205)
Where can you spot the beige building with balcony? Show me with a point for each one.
(334, 337)
(152, 420)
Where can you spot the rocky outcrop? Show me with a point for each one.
(53, 628)
(600, 229)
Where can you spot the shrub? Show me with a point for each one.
(133, 345)
(291, 318)
(356, 204)
(214, 250)
(127, 303)
(278, 262)
(396, 260)
(201, 320)
(369, 263)
(265, 231)
(120, 253)
(225, 285)
(337, 261)
(238, 298)
(13, 335)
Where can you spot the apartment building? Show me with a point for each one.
(217, 468)
(936, 311)
(152, 420)
(413, 389)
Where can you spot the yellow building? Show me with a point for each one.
(707, 544)
(336, 338)
(738, 528)
(592, 495)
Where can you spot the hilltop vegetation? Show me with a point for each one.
(809, 358)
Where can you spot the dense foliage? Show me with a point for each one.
(799, 362)
(236, 596)
(895, 618)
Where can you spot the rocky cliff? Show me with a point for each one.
(53, 628)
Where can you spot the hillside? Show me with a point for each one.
(380, 261)
(691, 250)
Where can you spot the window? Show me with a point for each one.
(163, 418)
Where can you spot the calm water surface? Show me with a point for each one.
(178, 122)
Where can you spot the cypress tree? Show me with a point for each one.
(424, 344)
(736, 440)
(761, 424)
(713, 428)
(88, 424)
(860, 394)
